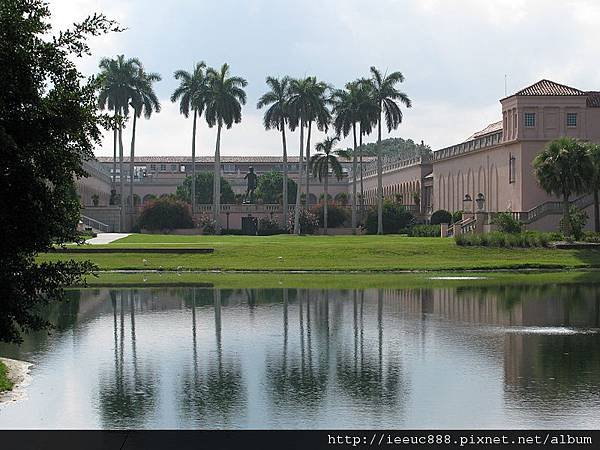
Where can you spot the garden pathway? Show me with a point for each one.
(106, 238)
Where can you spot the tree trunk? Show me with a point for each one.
(379, 178)
(596, 212)
(300, 175)
(285, 176)
(132, 161)
(217, 182)
(308, 165)
(193, 191)
(115, 140)
(325, 221)
(354, 180)
(121, 180)
(362, 187)
(567, 223)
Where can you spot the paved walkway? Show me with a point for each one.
(106, 238)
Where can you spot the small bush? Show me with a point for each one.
(507, 240)
(309, 223)
(506, 223)
(440, 216)
(165, 214)
(572, 225)
(207, 223)
(424, 231)
(395, 218)
(590, 236)
(457, 216)
(268, 227)
(336, 216)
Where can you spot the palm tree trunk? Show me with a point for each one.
(131, 162)
(326, 197)
(121, 180)
(596, 212)
(566, 222)
(285, 176)
(300, 175)
(307, 165)
(362, 187)
(217, 181)
(354, 180)
(379, 179)
(194, 163)
(115, 140)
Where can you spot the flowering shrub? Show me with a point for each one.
(309, 223)
(207, 223)
(165, 214)
(268, 226)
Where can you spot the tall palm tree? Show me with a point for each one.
(224, 99)
(326, 159)
(594, 155)
(368, 119)
(307, 103)
(117, 87)
(143, 101)
(563, 169)
(191, 95)
(387, 97)
(347, 110)
(277, 116)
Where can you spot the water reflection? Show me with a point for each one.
(504, 356)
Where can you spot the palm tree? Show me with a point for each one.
(368, 118)
(144, 101)
(307, 103)
(117, 88)
(563, 168)
(277, 116)
(326, 159)
(594, 155)
(224, 99)
(387, 97)
(348, 110)
(191, 95)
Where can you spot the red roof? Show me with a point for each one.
(547, 87)
(209, 159)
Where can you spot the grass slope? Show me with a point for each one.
(341, 253)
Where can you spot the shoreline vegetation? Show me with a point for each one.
(6, 384)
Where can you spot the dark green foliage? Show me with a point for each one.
(268, 227)
(204, 189)
(424, 231)
(398, 148)
(457, 216)
(506, 223)
(440, 216)
(499, 239)
(573, 224)
(395, 218)
(48, 126)
(336, 216)
(270, 188)
(165, 214)
(309, 223)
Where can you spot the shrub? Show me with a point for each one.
(590, 236)
(165, 214)
(207, 223)
(440, 216)
(457, 216)
(572, 225)
(424, 231)
(308, 222)
(500, 239)
(336, 216)
(506, 223)
(268, 227)
(395, 218)
(342, 198)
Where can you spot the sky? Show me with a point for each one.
(455, 56)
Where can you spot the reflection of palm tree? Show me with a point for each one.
(127, 398)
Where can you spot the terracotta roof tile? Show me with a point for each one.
(491, 128)
(547, 87)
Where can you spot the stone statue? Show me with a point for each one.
(251, 177)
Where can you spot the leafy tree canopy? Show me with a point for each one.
(270, 188)
(48, 125)
(204, 189)
(396, 147)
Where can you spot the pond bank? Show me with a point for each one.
(18, 374)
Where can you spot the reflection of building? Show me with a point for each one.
(493, 164)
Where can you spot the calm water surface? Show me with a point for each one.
(508, 357)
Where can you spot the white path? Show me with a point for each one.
(106, 238)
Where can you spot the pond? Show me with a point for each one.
(514, 356)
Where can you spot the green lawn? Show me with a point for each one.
(5, 383)
(337, 253)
